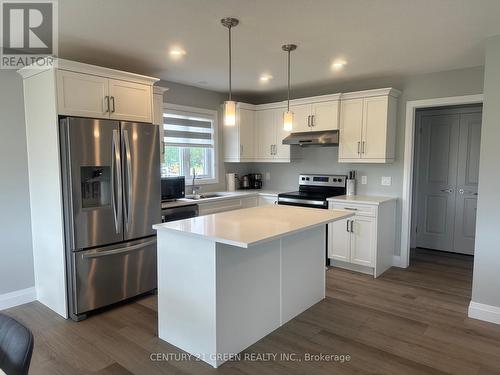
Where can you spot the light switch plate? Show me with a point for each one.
(268, 176)
(386, 181)
(364, 180)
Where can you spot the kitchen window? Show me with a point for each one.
(189, 143)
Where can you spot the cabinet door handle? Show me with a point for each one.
(312, 121)
(352, 226)
(359, 147)
(274, 149)
(363, 147)
(309, 121)
(347, 222)
(106, 103)
(112, 104)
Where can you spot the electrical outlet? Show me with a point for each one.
(268, 176)
(386, 181)
(364, 180)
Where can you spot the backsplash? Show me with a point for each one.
(322, 160)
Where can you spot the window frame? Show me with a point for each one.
(184, 110)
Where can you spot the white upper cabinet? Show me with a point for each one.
(368, 126)
(82, 95)
(351, 120)
(130, 101)
(301, 118)
(325, 115)
(315, 116)
(91, 91)
(239, 139)
(264, 134)
(269, 135)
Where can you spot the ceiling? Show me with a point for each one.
(376, 38)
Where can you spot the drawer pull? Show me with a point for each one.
(350, 208)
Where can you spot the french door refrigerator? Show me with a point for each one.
(111, 192)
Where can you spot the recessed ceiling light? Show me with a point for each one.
(338, 64)
(177, 52)
(265, 78)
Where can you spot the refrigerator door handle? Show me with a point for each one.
(121, 250)
(128, 163)
(116, 186)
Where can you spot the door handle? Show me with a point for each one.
(312, 121)
(449, 191)
(309, 121)
(116, 169)
(359, 147)
(347, 228)
(112, 104)
(352, 226)
(363, 147)
(129, 178)
(463, 191)
(121, 250)
(106, 103)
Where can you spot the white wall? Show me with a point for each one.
(486, 283)
(16, 259)
(324, 160)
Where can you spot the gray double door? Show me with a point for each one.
(447, 178)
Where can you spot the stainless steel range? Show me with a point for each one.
(314, 190)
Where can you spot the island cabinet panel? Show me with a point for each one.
(303, 272)
(248, 295)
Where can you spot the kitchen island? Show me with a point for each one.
(228, 279)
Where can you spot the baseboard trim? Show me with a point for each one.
(17, 297)
(396, 261)
(484, 312)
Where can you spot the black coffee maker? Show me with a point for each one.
(255, 180)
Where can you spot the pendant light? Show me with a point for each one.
(288, 115)
(229, 105)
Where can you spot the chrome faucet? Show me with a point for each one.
(194, 188)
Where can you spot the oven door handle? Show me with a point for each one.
(301, 201)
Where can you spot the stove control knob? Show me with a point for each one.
(307, 178)
(339, 180)
(334, 180)
(303, 178)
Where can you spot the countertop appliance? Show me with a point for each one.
(173, 188)
(245, 182)
(179, 213)
(111, 192)
(255, 180)
(314, 190)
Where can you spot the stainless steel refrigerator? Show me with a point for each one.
(111, 191)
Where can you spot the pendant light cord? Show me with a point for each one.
(288, 104)
(230, 83)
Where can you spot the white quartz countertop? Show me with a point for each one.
(221, 195)
(251, 226)
(366, 199)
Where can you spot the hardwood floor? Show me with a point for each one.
(411, 321)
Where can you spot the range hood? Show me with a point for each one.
(320, 138)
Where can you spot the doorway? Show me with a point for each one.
(445, 175)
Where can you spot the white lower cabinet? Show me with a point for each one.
(207, 208)
(366, 241)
